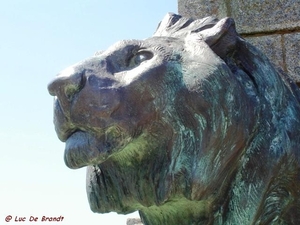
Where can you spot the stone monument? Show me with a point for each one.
(190, 126)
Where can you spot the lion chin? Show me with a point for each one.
(190, 126)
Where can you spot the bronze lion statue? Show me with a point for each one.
(190, 126)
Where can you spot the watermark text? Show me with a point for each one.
(20, 219)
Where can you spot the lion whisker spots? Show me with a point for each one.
(70, 91)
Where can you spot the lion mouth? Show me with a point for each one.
(84, 148)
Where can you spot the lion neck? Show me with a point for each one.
(265, 187)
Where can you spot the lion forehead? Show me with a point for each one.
(164, 46)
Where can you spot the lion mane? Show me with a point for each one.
(191, 126)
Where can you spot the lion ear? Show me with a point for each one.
(221, 38)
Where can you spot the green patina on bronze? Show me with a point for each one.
(191, 126)
(178, 211)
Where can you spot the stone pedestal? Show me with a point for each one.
(134, 221)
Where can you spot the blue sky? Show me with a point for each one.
(38, 39)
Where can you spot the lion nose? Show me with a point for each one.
(67, 84)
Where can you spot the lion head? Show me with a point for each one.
(192, 125)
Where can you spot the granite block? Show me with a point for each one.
(265, 16)
(202, 8)
(292, 54)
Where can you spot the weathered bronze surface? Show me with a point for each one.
(190, 126)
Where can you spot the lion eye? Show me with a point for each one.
(139, 57)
